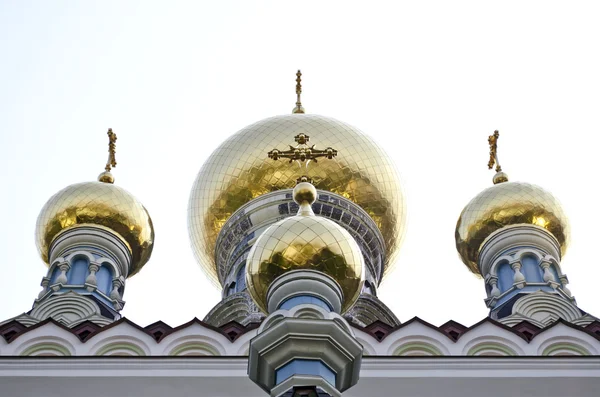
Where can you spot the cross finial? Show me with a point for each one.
(493, 142)
(106, 176)
(298, 108)
(112, 140)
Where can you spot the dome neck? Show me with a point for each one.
(500, 177)
(305, 209)
(304, 283)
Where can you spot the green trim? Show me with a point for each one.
(194, 345)
(495, 346)
(115, 346)
(557, 346)
(418, 346)
(30, 351)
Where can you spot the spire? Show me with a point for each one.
(493, 142)
(106, 176)
(298, 108)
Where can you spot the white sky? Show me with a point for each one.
(428, 80)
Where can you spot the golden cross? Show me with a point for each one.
(302, 152)
(493, 141)
(112, 139)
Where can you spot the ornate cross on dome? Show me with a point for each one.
(302, 152)
(106, 176)
(493, 141)
(112, 139)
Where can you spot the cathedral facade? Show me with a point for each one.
(297, 219)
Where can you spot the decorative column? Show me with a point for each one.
(44, 285)
(518, 278)
(91, 282)
(62, 278)
(564, 281)
(493, 281)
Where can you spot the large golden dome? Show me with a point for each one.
(508, 203)
(305, 241)
(239, 170)
(98, 204)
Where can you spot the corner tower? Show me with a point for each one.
(92, 236)
(514, 235)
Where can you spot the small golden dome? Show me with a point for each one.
(239, 171)
(305, 241)
(99, 204)
(508, 203)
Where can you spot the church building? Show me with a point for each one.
(297, 219)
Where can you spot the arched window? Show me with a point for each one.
(505, 276)
(55, 274)
(231, 289)
(104, 279)
(78, 271)
(531, 269)
(367, 289)
(240, 279)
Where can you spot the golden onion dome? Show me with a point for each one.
(99, 204)
(504, 204)
(239, 170)
(305, 241)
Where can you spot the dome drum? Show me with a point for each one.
(99, 241)
(514, 238)
(248, 222)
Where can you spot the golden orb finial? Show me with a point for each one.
(298, 108)
(493, 142)
(305, 194)
(106, 176)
